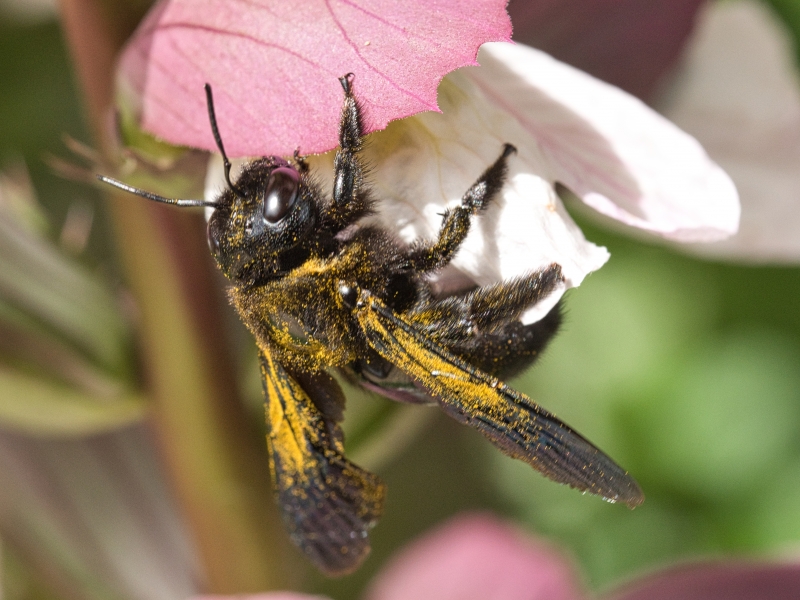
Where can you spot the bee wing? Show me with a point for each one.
(511, 420)
(328, 503)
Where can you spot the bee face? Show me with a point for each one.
(271, 211)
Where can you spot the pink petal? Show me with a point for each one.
(619, 156)
(274, 65)
(267, 596)
(476, 557)
(710, 581)
(738, 94)
(629, 43)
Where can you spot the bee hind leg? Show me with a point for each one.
(511, 349)
(483, 327)
(456, 222)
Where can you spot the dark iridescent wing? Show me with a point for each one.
(328, 503)
(512, 421)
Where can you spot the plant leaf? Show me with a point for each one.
(41, 285)
(40, 407)
(94, 517)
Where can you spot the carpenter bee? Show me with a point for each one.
(321, 290)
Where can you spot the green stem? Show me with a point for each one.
(216, 465)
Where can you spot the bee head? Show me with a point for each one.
(268, 213)
(258, 221)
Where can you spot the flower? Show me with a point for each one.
(573, 132)
(274, 66)
(476, 556)
(734, 87)
(632, 44)
(737, 92)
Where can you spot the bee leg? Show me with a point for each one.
(455, 225)
(350, 199)
(300, 161)
(487, 308)
(483, 327)
(494, 305)
(511, 349)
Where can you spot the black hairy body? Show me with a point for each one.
(319, 290)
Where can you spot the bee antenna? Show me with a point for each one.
(155, 197)
(213, 119)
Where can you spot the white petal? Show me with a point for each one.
(421, 165)
(215, 179)
(738, 93)
(619, 156)
(425, 163)
(215, 182)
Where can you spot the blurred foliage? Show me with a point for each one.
(684, 371)
(65, 347)
(789, 12)
(687, 373)
(39, 104)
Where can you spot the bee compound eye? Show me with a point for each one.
(281, 193)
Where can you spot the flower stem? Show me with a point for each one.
(215, 462)
(216, 465)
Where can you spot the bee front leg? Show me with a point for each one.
(350, 199)
(456, 223)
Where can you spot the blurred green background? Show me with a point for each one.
(686, 371)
